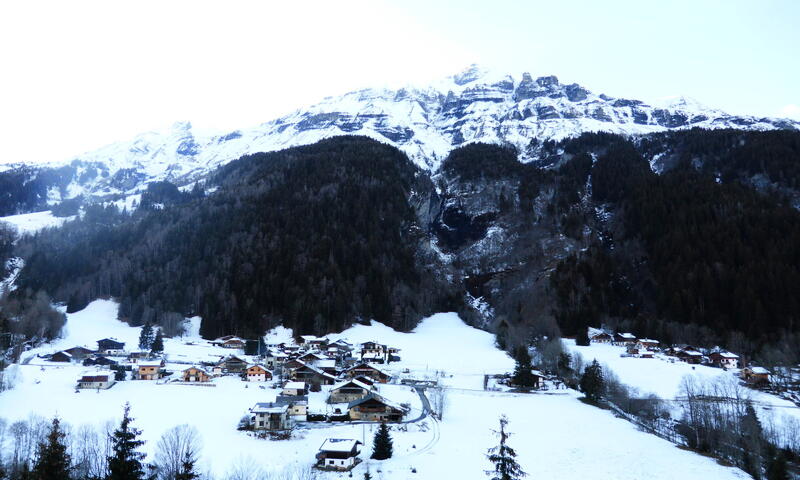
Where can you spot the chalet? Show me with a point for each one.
(291, 365)
(196, 374)
(368, 371)
(270, 416)
(79, 353)
(624, 339)
(755, 375)
(100, 361)
(61, 357)
(99, 382)
(724, 359)
(311, 358)
(349, 391)
(229, 341)
(328, 366)
(272, 359)
(295, 389)
(311, 341)
(691, 357)
(230, 365)
(109, 346)
(374, 408)
(647, 344)
(601, 337)
(297, 406)
(313, 375)
(149, 370)
(257, 373)
(135, 357)
(338, 454)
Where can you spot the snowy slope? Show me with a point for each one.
(425, 122)
(556, 436)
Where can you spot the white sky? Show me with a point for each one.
(81, 74)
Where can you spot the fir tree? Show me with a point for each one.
(504, 457)
(53, 461)
(126, 462)
(592, 383)
(582, 339)
(187, 469)
(146, 337)
(776, 467)
(382, 445)
(523, 375)
(158, 343)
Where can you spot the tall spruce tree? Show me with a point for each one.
(146, 337)
(126, 462)
(187, 469)
(592, 383)
(504, 457)
(382, 445)
(52, 459)
(158, 343)
(523, 370)
(777, 469)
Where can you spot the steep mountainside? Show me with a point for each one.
(425, 123)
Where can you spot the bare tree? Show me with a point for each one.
(176, 446)
(438, 399)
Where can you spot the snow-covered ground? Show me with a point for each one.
(663, 375)
(555, 434)
(29, 223)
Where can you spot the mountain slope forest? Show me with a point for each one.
(706, 251)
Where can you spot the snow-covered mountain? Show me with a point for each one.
(426, 123)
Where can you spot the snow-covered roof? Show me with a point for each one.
(692, 353)
(295, 385)
(257, 365)
(648, 340)
(378, 398)
(728, 355)
(268, 408)
(200, 369)
(355, 382)
(627, 335)
(150, 363)
(759, 370)
(341, 445)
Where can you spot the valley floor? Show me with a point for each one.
(554, 433)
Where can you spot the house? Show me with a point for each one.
(368, 371)
(297, 405)
(99, 360)
(196, 374)
(311, 358)
(691, 357)
(109, 346)
(272, 359)
(311, 341)
(601, 337)
(724, 359)
(375, 408)
(79, 353)
(624, 339)
(270, 416)
(338, 454)
(230, 364)
(257, 373)
(229, 341)
(135, 357)
(99, 382)
(149, 370)
(295, 389)
(349, 391)
(647, 344)
(755, 375)
(61, 357)
(313, 375)
(365, 380)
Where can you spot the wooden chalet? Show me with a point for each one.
(724, 359)
(99, 361)
(755, 375)
(313, 375)
(109, 346)
(375, 408)
(98, 382)
(624, 339)
(691, 357)
(295, 389)
(62, 356)
(349, 391)
(196, 374)
(647, 344)
(338, 454)
(149, 370)
(230, 365)
(79, 353)
(601, 337)
(367, 370)
(257, 373)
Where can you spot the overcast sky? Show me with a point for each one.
(78, 75)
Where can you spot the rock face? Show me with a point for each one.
(426, 123)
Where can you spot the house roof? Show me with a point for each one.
(357, 383)
(269, 407)
(295, 385)
(93, 378)
(199, 369)
(759, 370)
(262, 367)
(648, 340)
(340, 445)
(63, 352)
(150, 363)
(692, 353)
(627, 335)
(728, 355)
(379, 399)
(367, 365)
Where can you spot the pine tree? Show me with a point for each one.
(187, 469)
(592, 383)
(53, 461)
(523, 375)
(582, 339)
(158, 343)
(126, 462)
(146, 337)
(382, 445)
(504, 457)
(777, 468)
